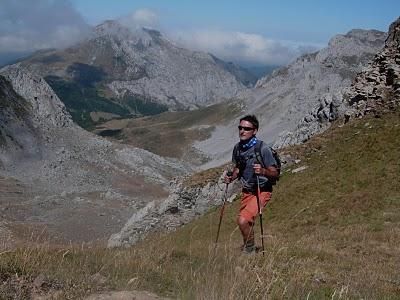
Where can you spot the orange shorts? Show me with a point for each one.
(249, 207)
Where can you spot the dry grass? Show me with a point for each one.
(202, 178)
(170, 133)
(331, 232)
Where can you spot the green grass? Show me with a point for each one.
(83, 95)
(331, 232)
(144, 107)
(81, 99)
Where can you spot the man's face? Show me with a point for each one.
(246, 130)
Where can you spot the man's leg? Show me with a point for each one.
(247, 231)
(248, 212)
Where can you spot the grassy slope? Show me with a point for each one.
(175, 129)
(332, 231)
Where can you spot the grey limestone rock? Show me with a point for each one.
(377, 88)
(182, 206)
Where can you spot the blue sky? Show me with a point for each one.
(305, 21)
(254, 31)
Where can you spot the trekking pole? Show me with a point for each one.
(229, 173)
(260, 212)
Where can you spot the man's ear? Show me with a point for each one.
(255, 131)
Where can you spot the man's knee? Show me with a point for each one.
(242, 222)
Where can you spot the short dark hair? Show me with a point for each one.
(252, 119)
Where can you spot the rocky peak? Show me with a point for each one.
(393, 39)
(346, 49)
(140, 36)
(364, 35)
(141, 70)
(377, 88)
(110, 27)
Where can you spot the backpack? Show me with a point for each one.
(257, 152)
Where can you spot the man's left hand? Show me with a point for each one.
(257, 169)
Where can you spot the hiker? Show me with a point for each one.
(247, 166)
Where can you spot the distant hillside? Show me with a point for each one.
(242, 74)
(57, 176)
(123, 73)
(262, 71)
(12, 57)
(178, 130)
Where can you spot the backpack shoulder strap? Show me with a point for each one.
(277, 158)
(257, 152)
(236, 152)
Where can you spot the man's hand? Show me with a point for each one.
(257, 169)
(228, 177)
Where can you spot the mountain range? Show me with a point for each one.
(119, 72)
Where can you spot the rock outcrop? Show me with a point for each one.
(184, 204)
(319, 80)
(14, 110)
(377, 88)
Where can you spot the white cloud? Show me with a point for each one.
(145, 16)
(140, 18)
(239, 46)
(38, 24)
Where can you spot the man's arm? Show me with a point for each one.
(270, 172)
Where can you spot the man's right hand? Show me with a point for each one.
(228, 177)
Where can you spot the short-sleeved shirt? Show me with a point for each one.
(248, 178)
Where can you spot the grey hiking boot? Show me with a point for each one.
(249, 249)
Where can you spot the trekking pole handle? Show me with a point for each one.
(228, 174)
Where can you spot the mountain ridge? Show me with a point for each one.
(139, 67)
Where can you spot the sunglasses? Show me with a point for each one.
(245, 128)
